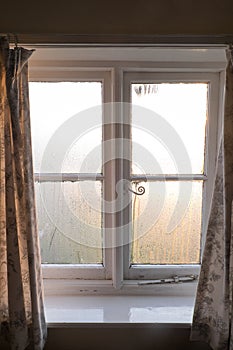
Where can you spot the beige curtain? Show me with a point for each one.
(212, 321)
(22, 318)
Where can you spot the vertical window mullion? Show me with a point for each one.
(118, 118)
(108, 174)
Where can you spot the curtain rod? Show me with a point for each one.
(113, 40)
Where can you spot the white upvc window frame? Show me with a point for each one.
(148, 272)
(116, 68)
(72, 74)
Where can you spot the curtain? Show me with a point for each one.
(212, 320)
(22, 319)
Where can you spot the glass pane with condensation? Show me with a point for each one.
(66, 126)
(166, 223)
(168, 130)
(70, 222)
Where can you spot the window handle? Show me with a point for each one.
(139, 192)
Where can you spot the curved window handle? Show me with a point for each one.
(140, 191)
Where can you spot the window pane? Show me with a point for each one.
(66, 122)
(69, 220)
(162, 236)
(171, 137)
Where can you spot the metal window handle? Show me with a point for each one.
(174, 279)
(141, 190)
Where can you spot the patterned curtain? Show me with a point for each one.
(212, 321)
(22, 319)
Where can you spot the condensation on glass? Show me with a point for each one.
(65, 108)
(161, 234)
(69, 222)
(158, 237)
(66, 120)
(183, 108)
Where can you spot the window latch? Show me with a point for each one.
(174, 279)
(140, 190)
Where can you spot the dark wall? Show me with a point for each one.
(148, 17)
(119, 338)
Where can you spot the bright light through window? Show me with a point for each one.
(70, 229)
(183, 108)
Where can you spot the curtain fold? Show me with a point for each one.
(212, 320)
(22, 318)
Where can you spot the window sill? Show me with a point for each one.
(118, 311)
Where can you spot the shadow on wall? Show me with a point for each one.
(112, 337)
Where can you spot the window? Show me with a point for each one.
(124, 145)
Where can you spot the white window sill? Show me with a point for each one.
(118, 311)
